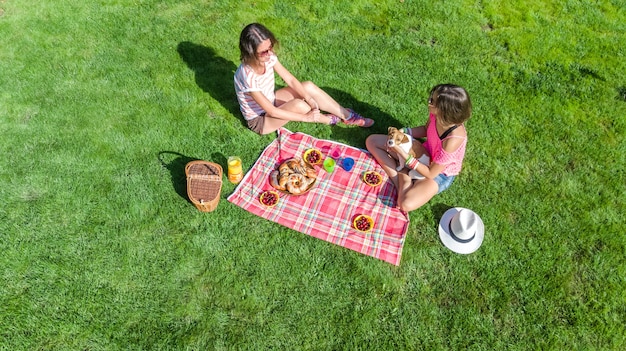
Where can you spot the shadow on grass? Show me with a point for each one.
(214, 75)
(438, 210)
(621, 93)
(356, 135)
(175, 163)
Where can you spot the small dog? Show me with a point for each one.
(405, 141)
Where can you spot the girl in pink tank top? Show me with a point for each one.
(449, 107)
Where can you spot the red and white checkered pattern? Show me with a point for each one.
(328, 209)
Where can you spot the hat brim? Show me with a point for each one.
(448, 240)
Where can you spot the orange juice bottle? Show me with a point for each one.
(235, 173)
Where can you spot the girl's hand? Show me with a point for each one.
(313, 104)
(398, 150)
(313, 115)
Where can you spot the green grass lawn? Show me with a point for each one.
(102, 103)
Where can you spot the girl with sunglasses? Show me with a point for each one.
(449, 106)
(266, 109)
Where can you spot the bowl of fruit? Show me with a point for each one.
(363, 223)
(372, 178)
(269, 198)
(313, 156)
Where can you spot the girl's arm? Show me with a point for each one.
(294, 84)
(433, 169)
(265, 104)
(429, 171)
(416, 132)
(279, 113)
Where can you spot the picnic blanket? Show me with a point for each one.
(327, 211)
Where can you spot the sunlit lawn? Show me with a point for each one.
(102, 103)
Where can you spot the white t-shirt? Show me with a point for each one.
(246, 80)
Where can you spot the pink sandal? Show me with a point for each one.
(356, 119)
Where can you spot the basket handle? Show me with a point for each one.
(209, 177)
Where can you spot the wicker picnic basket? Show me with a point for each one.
(204, 184)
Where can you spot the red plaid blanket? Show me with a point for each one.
(328, 209)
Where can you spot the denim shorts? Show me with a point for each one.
(443, 181)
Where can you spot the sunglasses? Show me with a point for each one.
(265, 52)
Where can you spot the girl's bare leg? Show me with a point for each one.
(272, 124)
(287, 100)
(325, 102)
(412, 194)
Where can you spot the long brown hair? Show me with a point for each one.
(453, 102)
(251, 37)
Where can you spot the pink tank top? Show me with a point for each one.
(451, 160)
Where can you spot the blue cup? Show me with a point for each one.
(347, 163)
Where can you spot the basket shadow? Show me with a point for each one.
(175, 163)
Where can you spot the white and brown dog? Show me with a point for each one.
(405, 141)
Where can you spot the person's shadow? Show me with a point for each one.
(355, 135)
(214, 75)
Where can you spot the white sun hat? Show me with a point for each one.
(461, 230)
